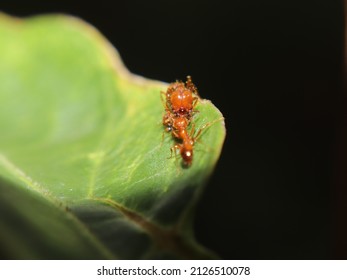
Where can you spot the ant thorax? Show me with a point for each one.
(180, 123)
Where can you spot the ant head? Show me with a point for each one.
(181, 100)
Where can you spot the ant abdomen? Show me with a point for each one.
(187, 156)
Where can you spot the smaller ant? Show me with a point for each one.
(181, 99)
(186, 146)
(179, 130)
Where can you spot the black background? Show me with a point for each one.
(274, 69)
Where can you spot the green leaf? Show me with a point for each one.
(83, 164)
(32, 228)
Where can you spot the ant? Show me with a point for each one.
(181, 99)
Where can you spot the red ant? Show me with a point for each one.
(181, 99)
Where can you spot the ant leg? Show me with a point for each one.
(191, 86)
(195, 100)
(162, 99)
(206, 125)
(167, 119)
(173, 150)
(168, 128)
(169, 91)
(175, 134)
(199, 133)
(192, 131)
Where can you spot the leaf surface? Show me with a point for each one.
(83, 137)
